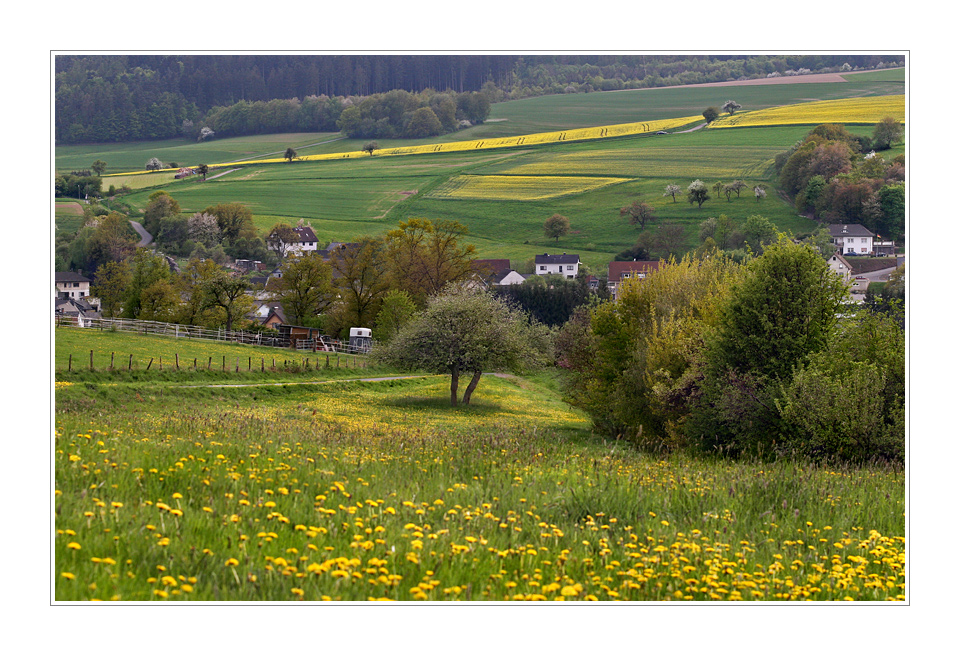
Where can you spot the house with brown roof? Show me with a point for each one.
(617, 272)
(496, 272)
(839, 265)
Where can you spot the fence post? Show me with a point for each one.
(161, 362)
(130, 364)
(261, 365)
(209, 362)
(194, 364)
(111, 360)
(328, 360)
(149, 363)
(176, 357)
(70, 363)
(91, 360)
(249, 363)
(238, 364)
(223, 364)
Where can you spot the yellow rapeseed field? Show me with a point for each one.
(519, 187)
(598, 132)
(871, 109)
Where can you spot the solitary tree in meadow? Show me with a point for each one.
(203, 169)
(556, 226)
(370, 146)
(99, 167)
(711, 114)
(467, 331)
(731, 106)
(289, 154)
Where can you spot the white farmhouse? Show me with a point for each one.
(306, 242)
(563, 264)
(71, 285)
(852, 239)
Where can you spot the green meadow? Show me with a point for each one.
(172, 487)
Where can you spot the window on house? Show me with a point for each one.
(569, 267)
(543, 267)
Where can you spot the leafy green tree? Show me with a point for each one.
(425, 256)
(636, 366)
(289, 154)
(146, 268)
(305, 289)
(154, 164)
(893, 205)
(234, 219)
(697, 193)
(396, 311)
(711, 114)
(203, 169)
(361, 279)
(556, 226)
(423, 123)
(886, 133)
(847, 402)
(227, 292)
(758, 231)
(782, 311)
(370, 146)
(160, 205)
(111, 281)
(159, 301)
(98, 167)
(467, 331)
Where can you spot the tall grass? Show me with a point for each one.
(379, 491)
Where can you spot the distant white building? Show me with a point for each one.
(840, 266)
(71, 285)
(563, 264)
(852, 239)
(306, 241)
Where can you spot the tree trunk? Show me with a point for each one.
(454, 384)
(472, 386)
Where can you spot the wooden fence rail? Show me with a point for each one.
(185, 331)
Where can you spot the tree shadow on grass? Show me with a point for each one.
(477, 407)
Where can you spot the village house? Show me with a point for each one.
(71, 285)
(496, 272)
(617, 272)
(306, 242)
(563, 264)
(852, 239)
(839, 265)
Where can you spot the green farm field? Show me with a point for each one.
(171, 488)
(349, 198)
